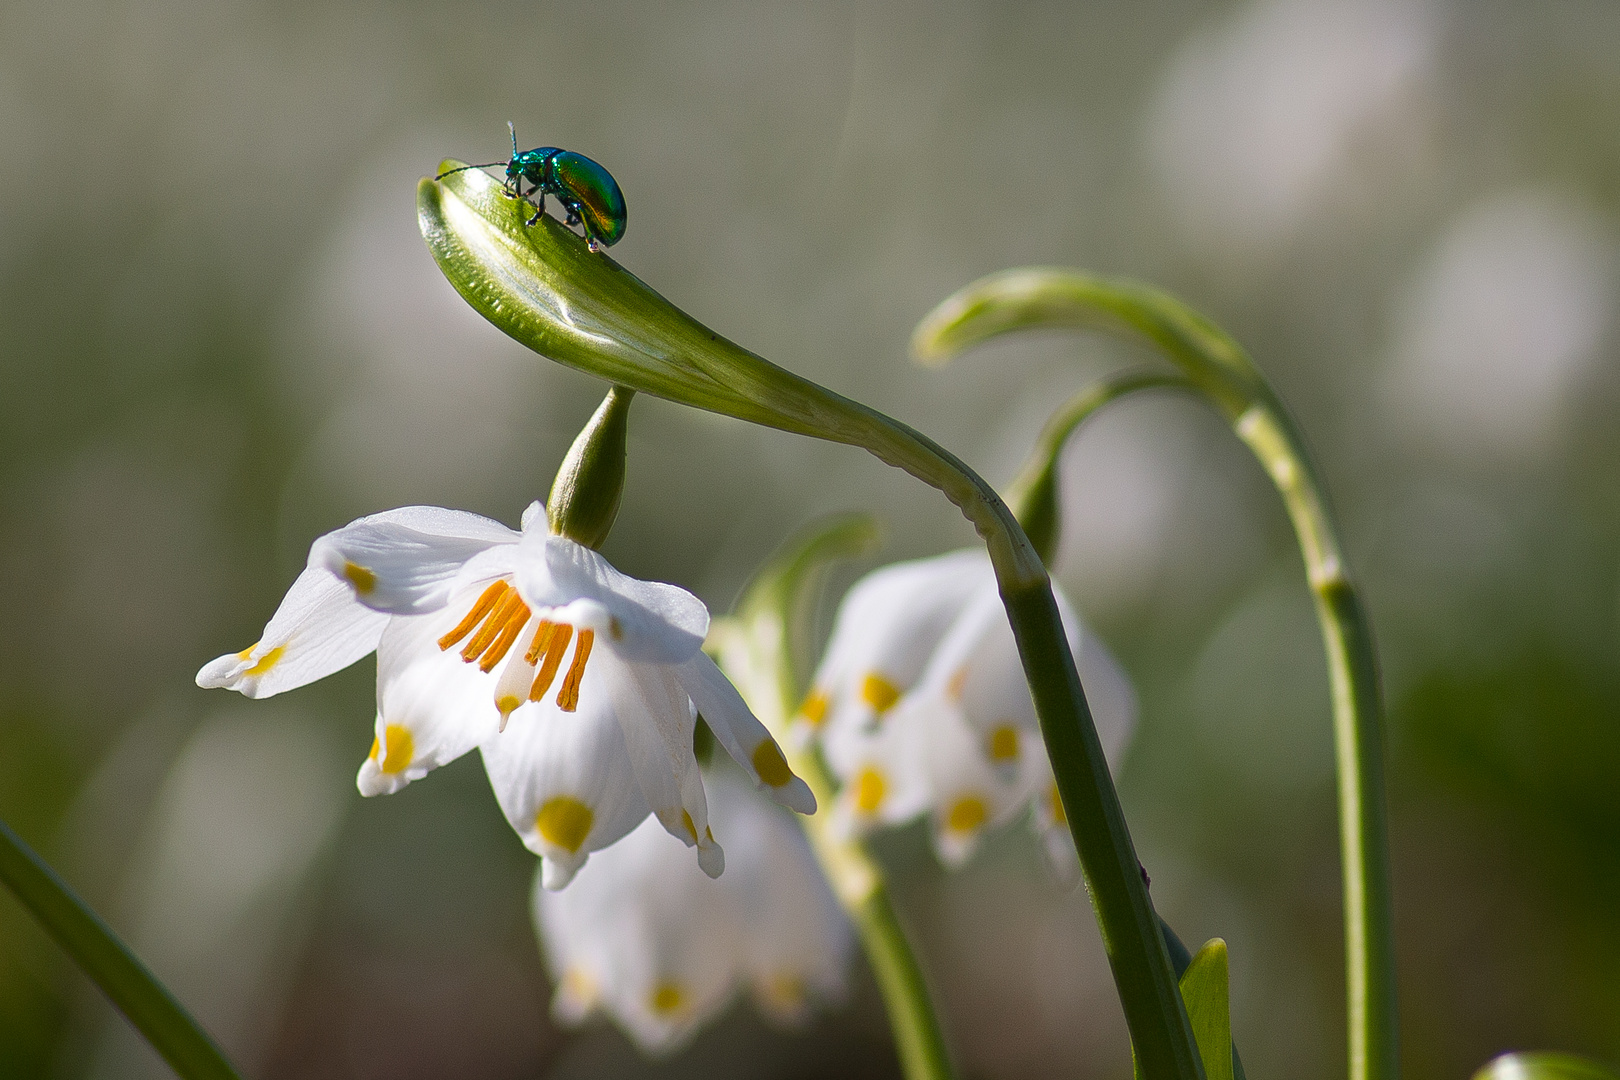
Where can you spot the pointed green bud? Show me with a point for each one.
(585, 496)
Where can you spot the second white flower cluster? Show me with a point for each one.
(921, 706)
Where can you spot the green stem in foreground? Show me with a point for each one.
(1229, 379)
(109, 963)
(758, 649)
(543, 287)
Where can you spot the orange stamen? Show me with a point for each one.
(515, 622)
(568, 696)
(555, 646)
(479, 609)
(542, 634)
(510, 602)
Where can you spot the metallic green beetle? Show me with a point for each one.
(587, 191)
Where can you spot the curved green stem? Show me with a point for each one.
(544, 288)
(758, 649)
(1032, 496)
(109, 963)
(1227, 377)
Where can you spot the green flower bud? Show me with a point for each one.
(585, 496)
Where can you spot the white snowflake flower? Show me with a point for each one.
(472, 623)
(662, 949)
(921, 706)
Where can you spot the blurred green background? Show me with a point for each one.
(220, 335)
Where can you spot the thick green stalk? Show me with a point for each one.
(758, 649)
(541, 286)
(109, 963)
(1229, 379)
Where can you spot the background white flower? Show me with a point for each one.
(662, 949)
(921, 706)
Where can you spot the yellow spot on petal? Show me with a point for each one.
(783, 991)
(1054, 806)
(691, 829)
(814, 708)
(953, 689)
(1004, 743)
(564, 821)
(247, 652)
(615, 628)
(967, 814)
(508, 704)
(578, 985)
(879, 692)
(362, 578)
(401, 748)
(771, 765)
(267, 661)
(870, 788)
(667, 998)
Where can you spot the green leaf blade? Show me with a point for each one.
(1204, 987)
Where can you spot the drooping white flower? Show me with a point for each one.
(644, 937)
(921, 706)
(472, 622)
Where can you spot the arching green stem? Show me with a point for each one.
(101, 955)
(544, 288)
(1032, 496)
(760, 648)
(1229, 379)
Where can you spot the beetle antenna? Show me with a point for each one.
(464, 168)
(513, 130)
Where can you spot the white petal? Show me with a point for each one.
(645, 935)
(564, 779)
(403, 561)
(796, 940)
(1061, 858)
(883, 773)
(969, 796)
(652, 622)
(978, 668)
(741, 733)
(1110, 695)
(887, 626)
(445, 705)
(1049, 820)
(317, 630)
(656, 717)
